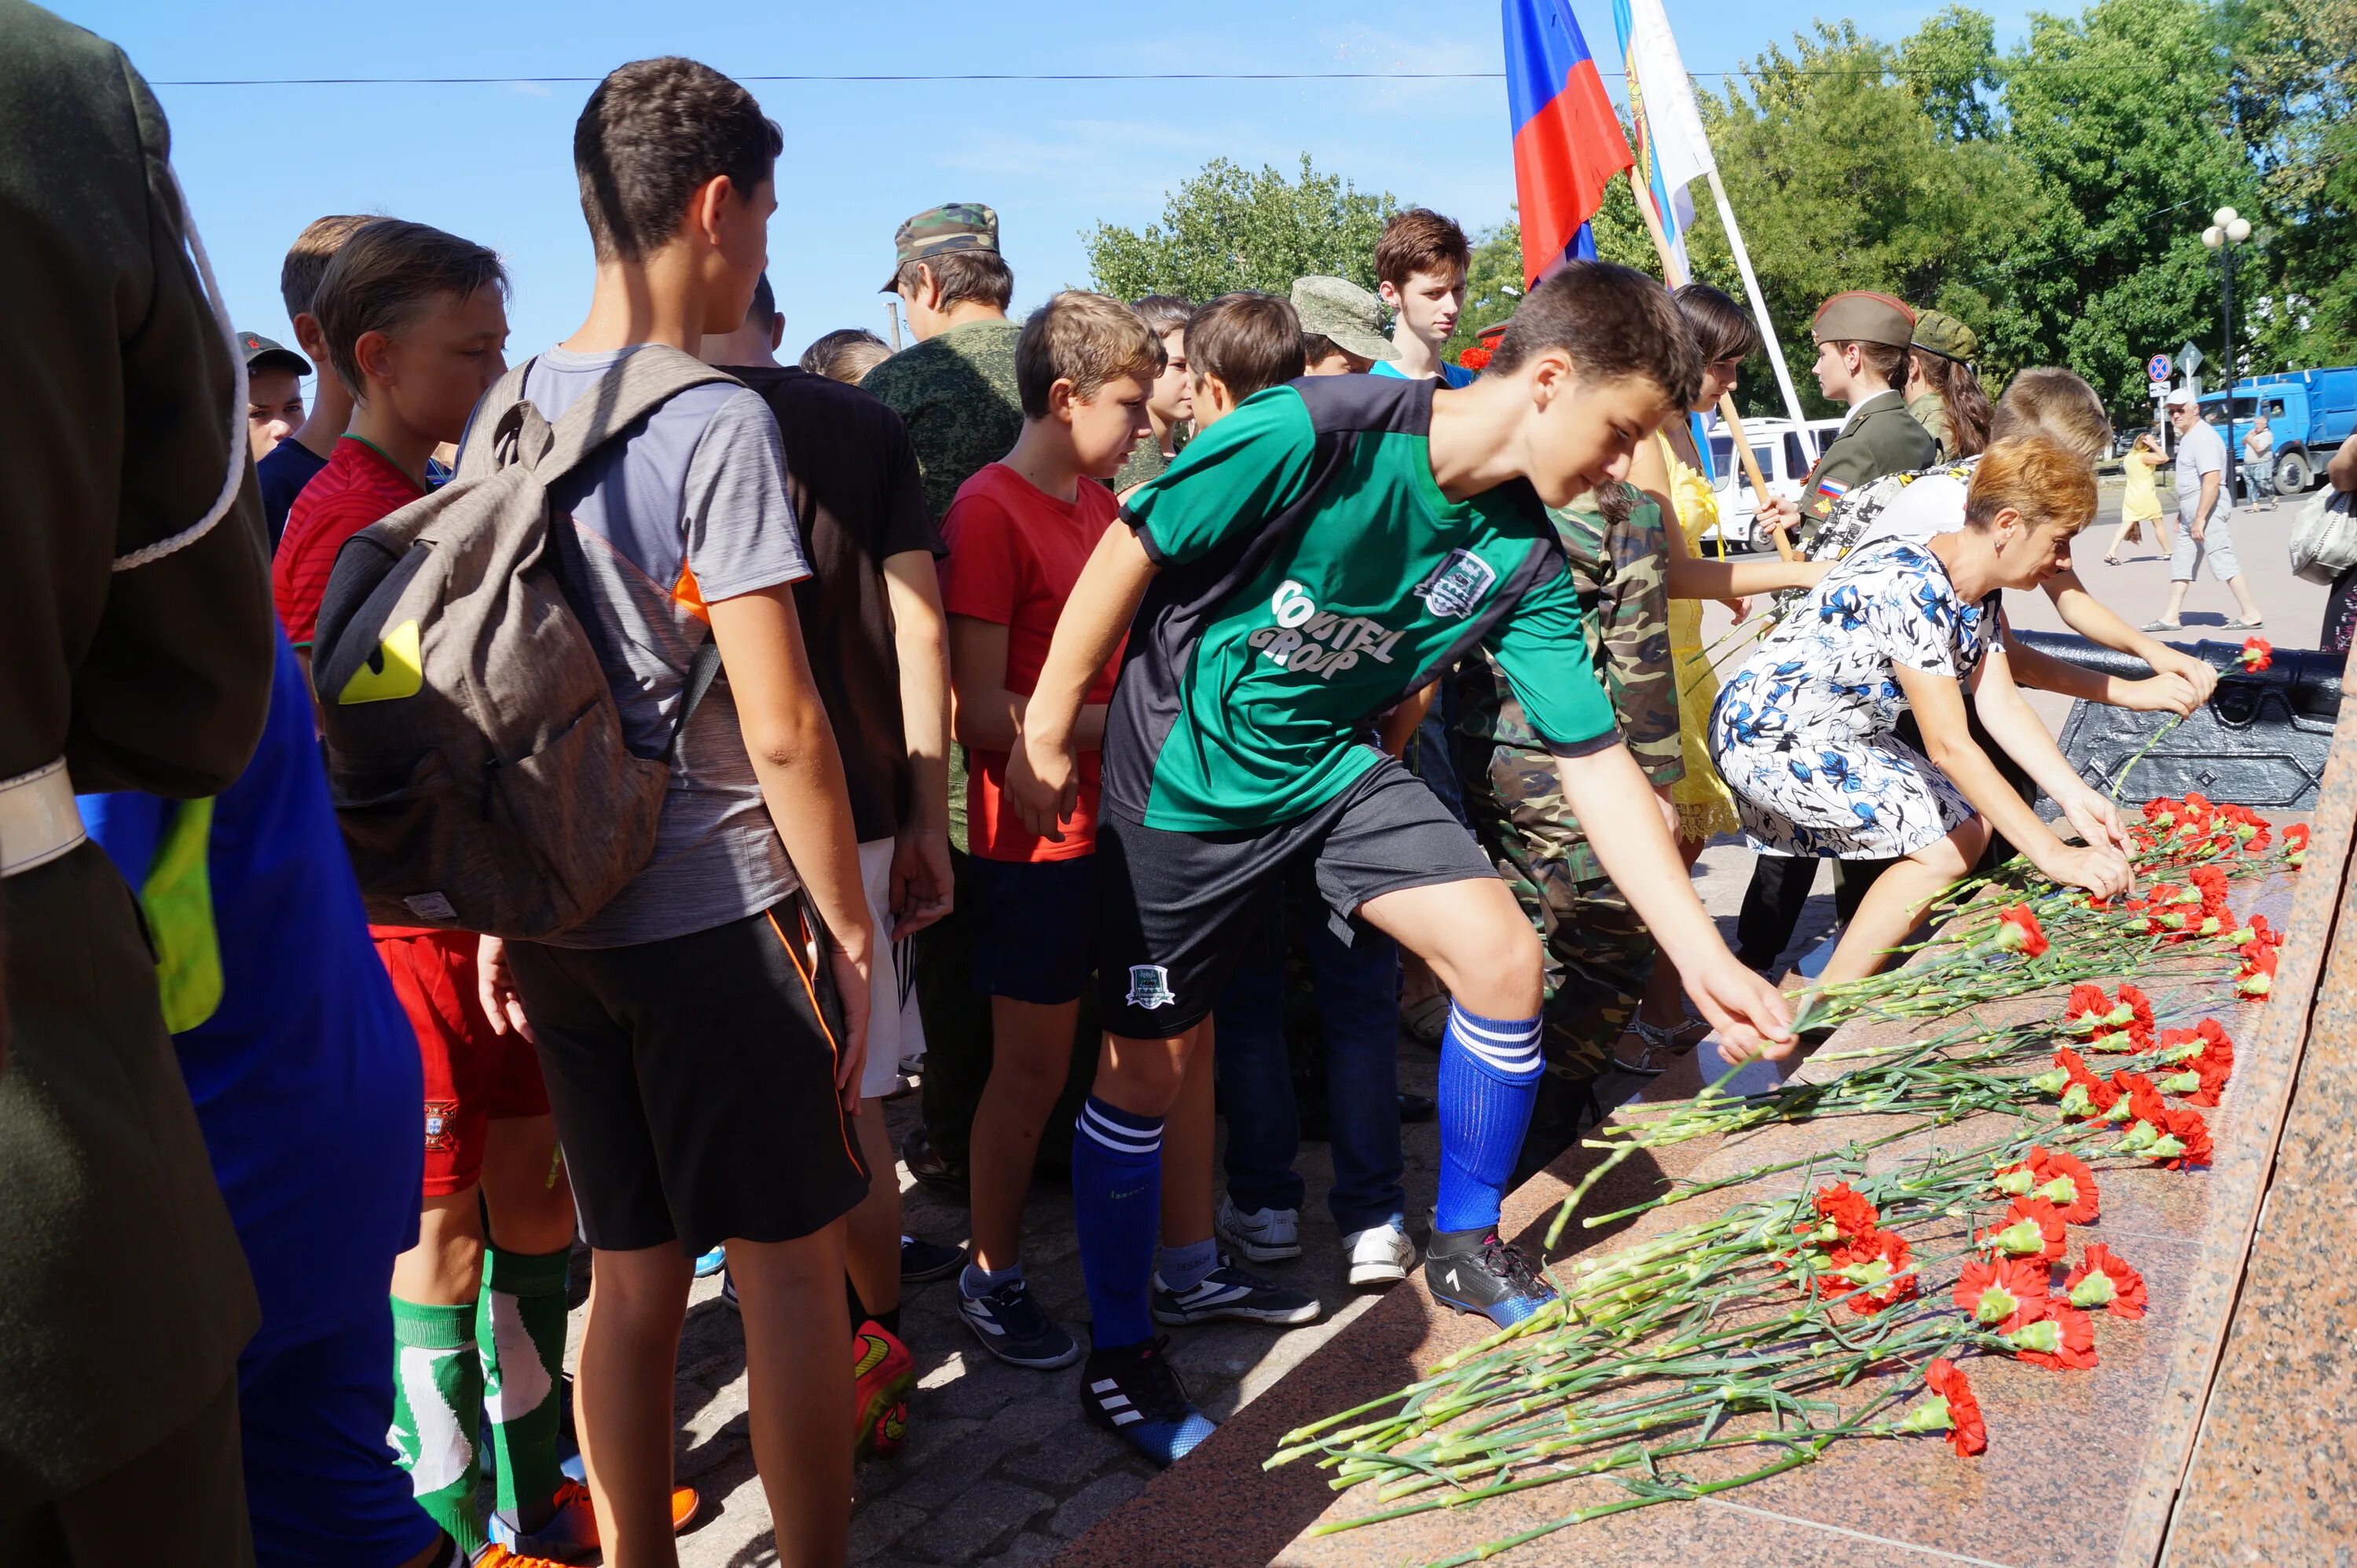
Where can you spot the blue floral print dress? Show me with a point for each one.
(1803, 733)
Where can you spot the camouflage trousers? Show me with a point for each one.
(1599, 954)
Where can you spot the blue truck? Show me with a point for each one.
(2309, 413)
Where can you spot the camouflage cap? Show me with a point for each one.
(1861, 316)
(1341, 310)
(1937, 332)
(938, 231)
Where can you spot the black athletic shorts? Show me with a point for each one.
(692, 1080)
(1175, 909)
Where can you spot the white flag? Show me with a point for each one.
(1672, 149)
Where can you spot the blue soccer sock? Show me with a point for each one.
(1489, 1081)
(1117, 1210)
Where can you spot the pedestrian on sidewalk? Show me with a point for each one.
(2204, 506)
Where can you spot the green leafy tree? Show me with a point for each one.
(1227, 228)
(1951, 66)
(2294, 96)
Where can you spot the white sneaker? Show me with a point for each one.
(1381, 1255)
(1264, 1236)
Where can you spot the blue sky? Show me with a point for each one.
(492, 161)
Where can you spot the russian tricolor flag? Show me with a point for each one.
(1567, 141)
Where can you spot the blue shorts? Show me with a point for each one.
(321, 1485)
(1033, 920)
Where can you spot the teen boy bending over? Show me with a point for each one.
(1322, 552)
(702, 1085)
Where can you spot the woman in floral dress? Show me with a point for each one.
(1805, 732)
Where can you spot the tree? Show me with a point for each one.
(1227, 229)
(1951, 65)
(2293, 89)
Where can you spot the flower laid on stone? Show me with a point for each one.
(2032, 1228)
(2053, 1335)
(1873, 1270)
(2017, 931)
(2257, 978)
(2258, 654)
(2296, 845)
(2105, 1280)
(1991, 1289)
(1951, 1408)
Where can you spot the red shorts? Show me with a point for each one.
(473, 1076)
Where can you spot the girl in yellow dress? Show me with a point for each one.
(2141, 503)
(1672, 471)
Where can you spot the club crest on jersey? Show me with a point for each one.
(441, 1126)
(1457, 585)
(1149, 986)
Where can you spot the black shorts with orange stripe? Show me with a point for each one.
(692, 1080)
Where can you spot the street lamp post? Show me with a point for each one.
(2227, 230)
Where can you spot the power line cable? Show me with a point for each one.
(920, 77)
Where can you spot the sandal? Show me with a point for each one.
(2244, 625)
(1656, 1045)
(2164, 626)
(1424, 1020)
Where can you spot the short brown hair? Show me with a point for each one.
(1612, 321)
(1721, 330)
(963, 276)
(1419, 240)
(845, 354)
(307, 258)
(2051, 402)
(1164, 313)
(651, 132)
(1087, 339)
(385, 276)
(1250, 342)
(1317, 349)
(2049, 485)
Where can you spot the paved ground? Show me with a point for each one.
(999, 1469)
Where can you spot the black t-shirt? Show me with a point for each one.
(852, 477)
(281, 475)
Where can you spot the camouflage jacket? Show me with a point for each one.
(956, 394)
(1622, 573)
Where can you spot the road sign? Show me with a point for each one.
(2189, 359)
(2157, 367)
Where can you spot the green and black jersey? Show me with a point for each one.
(1312, 574)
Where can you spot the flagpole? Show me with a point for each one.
(1759, 305)
(1672, 275)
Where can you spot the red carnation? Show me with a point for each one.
(1849, 1211)
(2212, 885)
(2258, 654)
(2086, 1009)
(2064, 1180)
(1991, 1289)
(2184, 1141)
(2143, 1096)
(2032, 1228)
(1967, 1431)
(2257, 978)
(1877, 1260)
(2295, 844)
(2017, 931)
(2053, 1335)
(2104, 1278)
(2139, 1006)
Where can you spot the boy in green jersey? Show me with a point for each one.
(1328, 548)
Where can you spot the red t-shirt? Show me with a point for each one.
(359, 486)
(1015, 554)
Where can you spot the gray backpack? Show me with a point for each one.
(475, 753)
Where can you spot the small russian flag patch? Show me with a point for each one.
(1832, 487)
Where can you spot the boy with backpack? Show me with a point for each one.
(1313, 558)
(413, 322)
(702, 1031)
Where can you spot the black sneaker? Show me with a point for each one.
(1474, 1271)
(1133, 1394)
(1012, 1328)
(921, 1261)
(1230, 1292)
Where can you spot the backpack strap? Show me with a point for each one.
(644, 379)
(479, 449)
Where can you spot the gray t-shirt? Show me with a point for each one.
(686, 509)
(2200, 450)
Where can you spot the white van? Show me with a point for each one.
(1785, 454)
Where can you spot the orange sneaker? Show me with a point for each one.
(571, 1533)
(882, 1371)
(498, 1556)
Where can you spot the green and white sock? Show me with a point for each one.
(519, 1330)
(437, 1407)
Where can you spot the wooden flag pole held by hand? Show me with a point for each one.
(1675, 276)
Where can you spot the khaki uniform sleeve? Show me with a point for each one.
(1633, 617)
